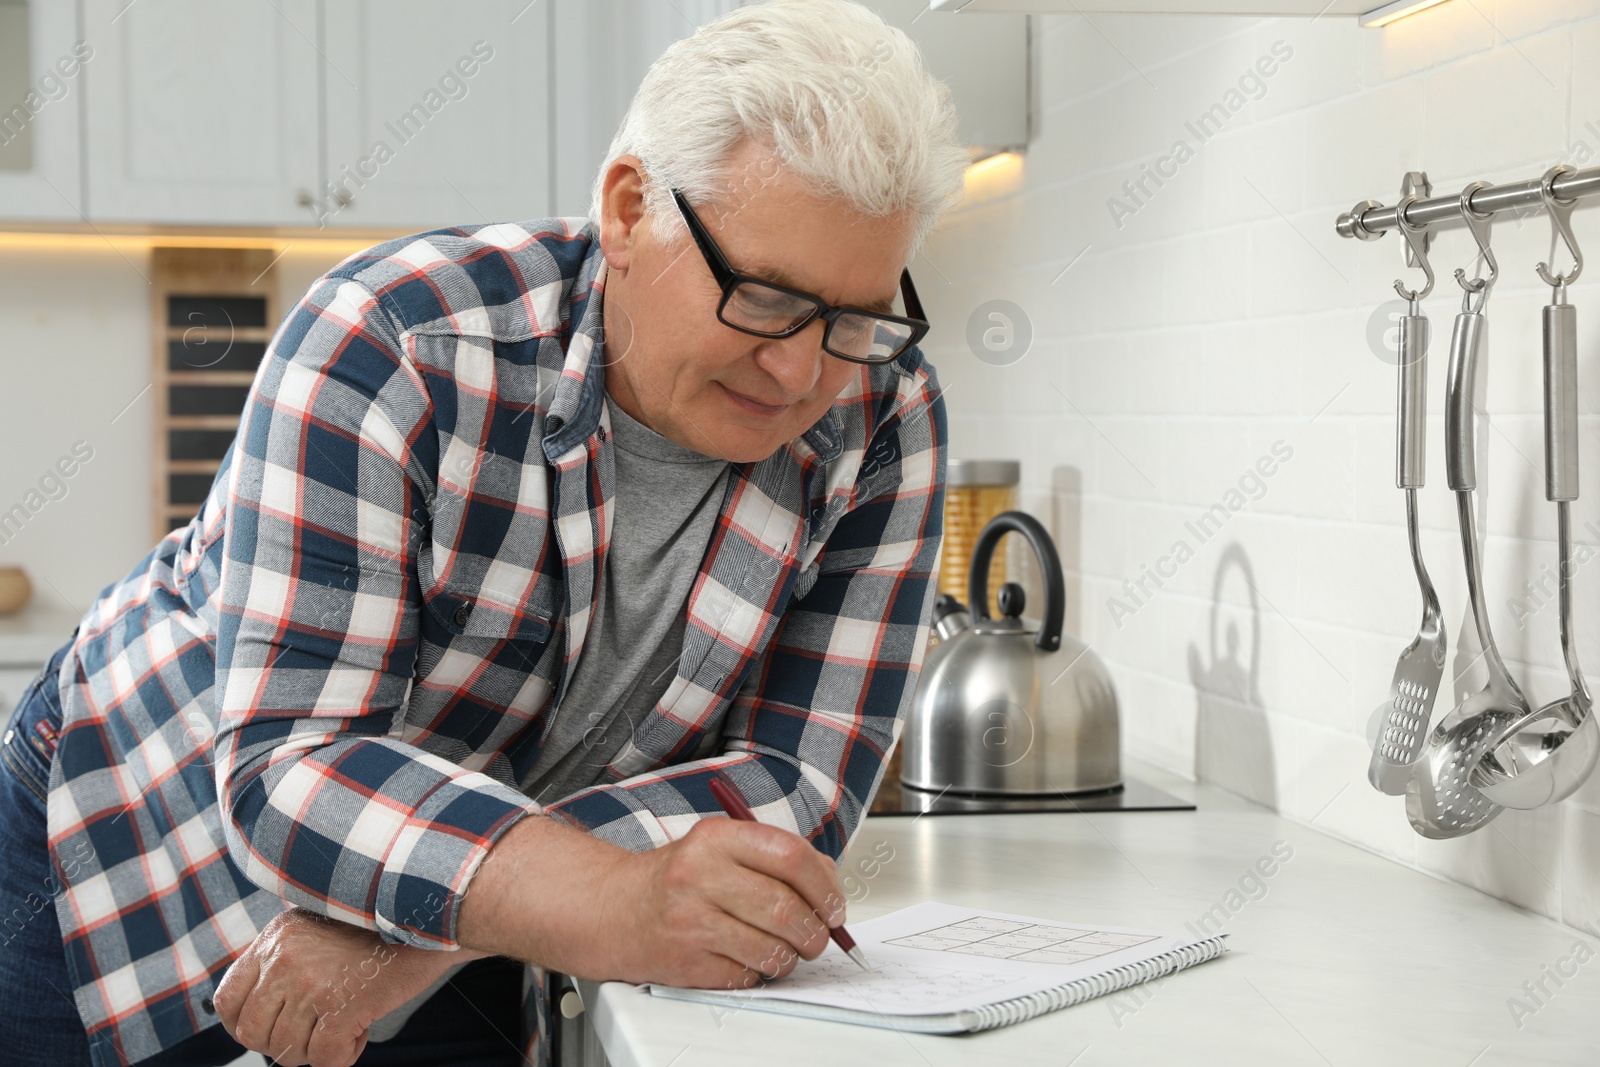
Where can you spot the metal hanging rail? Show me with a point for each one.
(1368, 220)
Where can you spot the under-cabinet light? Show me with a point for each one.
(1382, 16)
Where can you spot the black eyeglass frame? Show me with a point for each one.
(729, 279)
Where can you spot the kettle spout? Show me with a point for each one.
(949, 617)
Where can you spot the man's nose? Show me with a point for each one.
(795, 361)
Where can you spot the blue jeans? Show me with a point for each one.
(473, 1021)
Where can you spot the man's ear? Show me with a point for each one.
(621, 210)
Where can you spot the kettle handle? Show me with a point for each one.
(1055, 595)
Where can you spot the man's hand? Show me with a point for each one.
(725, 906)
(308, 988)
(729, 904)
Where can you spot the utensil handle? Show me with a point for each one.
(1560, 402)
(1460, 435)
(1412, 417)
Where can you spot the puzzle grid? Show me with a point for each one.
(1006, 939)
(892, 986)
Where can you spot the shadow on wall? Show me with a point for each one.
(1233, 746)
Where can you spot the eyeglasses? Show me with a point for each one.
(767, 309)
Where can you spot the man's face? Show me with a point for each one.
(674, 366)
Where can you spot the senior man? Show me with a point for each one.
(529, 529)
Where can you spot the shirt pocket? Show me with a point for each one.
(474, 664)
(455, 614)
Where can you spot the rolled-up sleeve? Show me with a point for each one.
(324, 805)
(809, 732)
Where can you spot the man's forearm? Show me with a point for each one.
(540, 896)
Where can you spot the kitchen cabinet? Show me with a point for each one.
(42, 72)
(340, 114)
(1309, 8)
(436, 114)
(199, 113)
(606, 47)
(986, 62)
(400, 115)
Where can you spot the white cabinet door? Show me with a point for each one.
(438, 112)
(43, 67)
(605, 48)
(1313, 8)
(201, 112)
(984, 59)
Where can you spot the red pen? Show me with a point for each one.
(734, 805)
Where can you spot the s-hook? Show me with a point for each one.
(1561, 220)
(1418, 249)
(1479, 225)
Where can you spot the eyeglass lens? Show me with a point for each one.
(760, 309)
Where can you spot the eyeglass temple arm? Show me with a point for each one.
(909, 292)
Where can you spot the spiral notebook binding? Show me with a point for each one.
(1017, 1009)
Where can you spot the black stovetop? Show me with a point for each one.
(1133, 795)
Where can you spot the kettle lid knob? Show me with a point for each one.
(1012, 600)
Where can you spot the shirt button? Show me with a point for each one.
(9, 735)
(602, 433)
(462, 615)
(208, 1007)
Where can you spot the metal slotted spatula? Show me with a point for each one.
(1417, 674)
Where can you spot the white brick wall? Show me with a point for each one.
(1226, 314)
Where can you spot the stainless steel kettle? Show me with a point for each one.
(1006, 706)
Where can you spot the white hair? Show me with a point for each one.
(838, 96)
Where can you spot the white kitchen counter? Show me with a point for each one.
(30, 637)
(1346, 958)
(27, 640)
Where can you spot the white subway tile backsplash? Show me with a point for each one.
(1384, 121)
(1421, 43)
(1156, 45)
(1216, 313)
(1517, 857)
(1513, 479)
(1188, 287)
(1515, 19)
(1075, 61)
(1527, 110)
(1580, 868)
(1301, 266)
(1344, 367)
(1321, 65)
(1253, 366)
(1584, 115)
(1255, 172)
(1330, 769)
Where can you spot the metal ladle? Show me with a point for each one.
(1544, 756)
(1441, 800)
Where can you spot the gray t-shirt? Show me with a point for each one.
(667, 498)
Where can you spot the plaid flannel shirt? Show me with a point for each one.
(326, 689)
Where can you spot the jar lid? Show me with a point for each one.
(964, 472)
